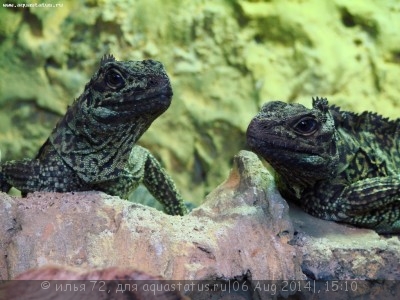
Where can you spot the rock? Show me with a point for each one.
(242, 229)
(333, 251)
(61, 283)
(243, 232)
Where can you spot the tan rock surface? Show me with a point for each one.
(335, 251)
(241, 229)
(244, 231)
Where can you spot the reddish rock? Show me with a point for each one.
(242, 231)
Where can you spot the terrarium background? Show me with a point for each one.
(225, 59)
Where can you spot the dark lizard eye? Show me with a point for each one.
(114, 80)
(306, 126)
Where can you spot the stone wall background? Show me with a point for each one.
(225, 58)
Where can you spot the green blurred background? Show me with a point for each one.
(225, 58)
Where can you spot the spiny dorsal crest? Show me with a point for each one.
(320, 104)
(365, 122)
(107, 58)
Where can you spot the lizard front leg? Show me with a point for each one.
(157, 181)
(31, 175)
(372, 203)
(23, 175)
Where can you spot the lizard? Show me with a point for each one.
(336, 165)
(93, 146)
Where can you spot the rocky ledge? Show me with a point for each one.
(243, 231)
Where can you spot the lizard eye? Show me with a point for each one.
(306, 126)
(114, 80)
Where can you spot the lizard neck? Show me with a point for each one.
(86, 143)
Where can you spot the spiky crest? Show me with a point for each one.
(107, 58)
(364, 122)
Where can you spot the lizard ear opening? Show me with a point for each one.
(107, 58)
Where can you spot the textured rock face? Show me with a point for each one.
(44, 283)
(334, 251)
(243, 231)
(225, 58)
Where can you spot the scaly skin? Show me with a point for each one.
(93, 145)
(336, 165)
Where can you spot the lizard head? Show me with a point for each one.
(117, 106)
(121, 91)
(121, 98)
(131, 88)
(299, 143)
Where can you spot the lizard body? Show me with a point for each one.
(336, 165)
(93, 145)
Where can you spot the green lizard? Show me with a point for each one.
(93, 145)
(336, 165)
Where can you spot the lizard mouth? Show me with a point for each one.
(153, 103)
(270, 144)
(165, 91)
(139, 102)
(152, 97)
(129, 107)
(135, 96)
